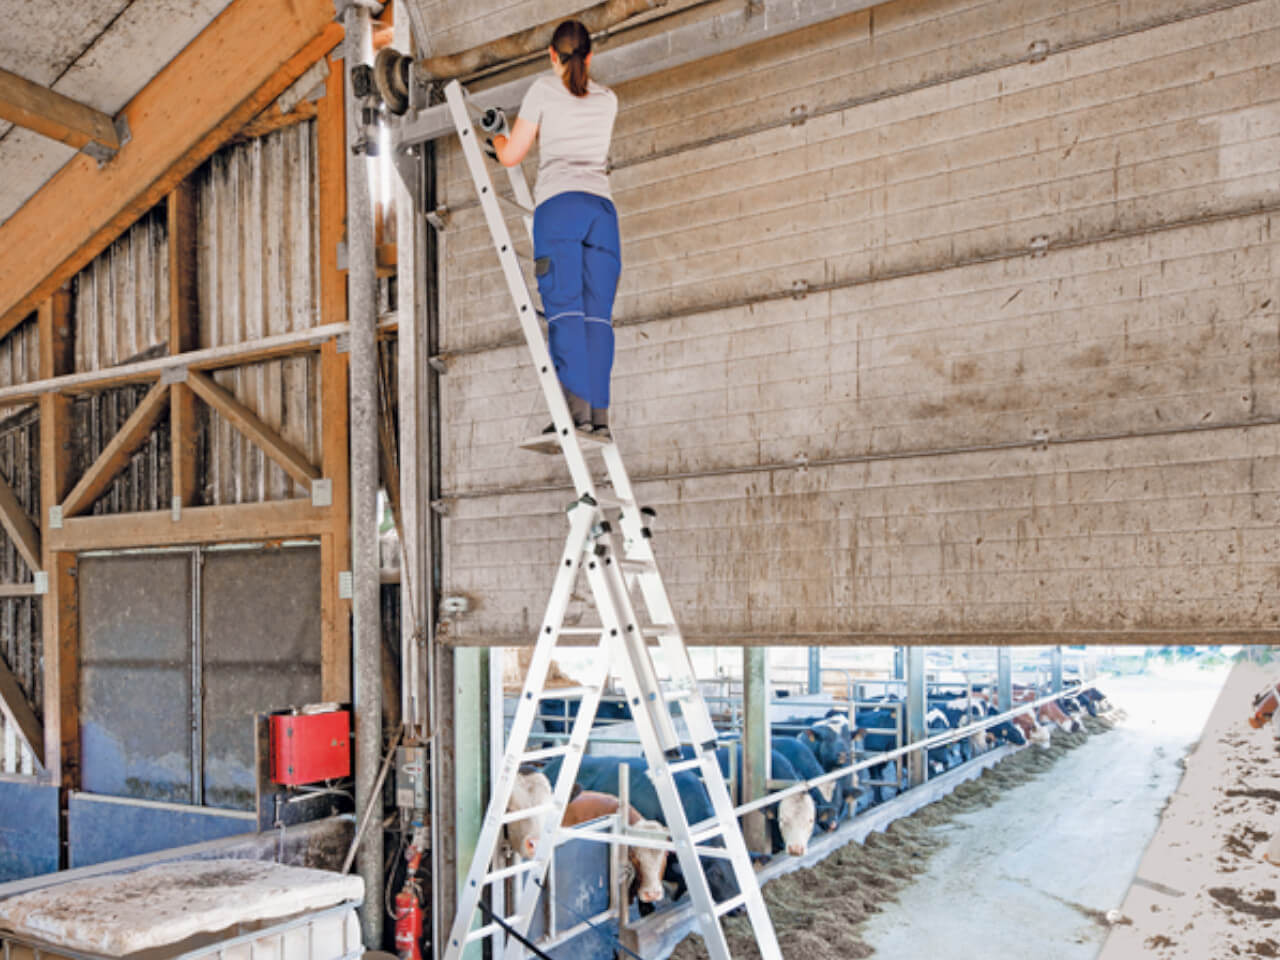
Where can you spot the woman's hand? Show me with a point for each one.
(511, 150)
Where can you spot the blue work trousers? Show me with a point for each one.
(578, 258)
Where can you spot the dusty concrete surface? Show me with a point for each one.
(1046, 861)
(1203, 890)
(1033, 853)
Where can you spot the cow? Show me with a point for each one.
(1265, 705)
(1052, 713)
(791, 819)
(648, 864)
(873, 736)
(829, 799)
(1031, 730)
(532, 789)
(602, 774)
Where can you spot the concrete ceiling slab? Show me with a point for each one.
(100, 52)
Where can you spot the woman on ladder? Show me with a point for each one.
(575, 225)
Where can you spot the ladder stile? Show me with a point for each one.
(613, 561)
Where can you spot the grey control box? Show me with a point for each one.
(411, 777)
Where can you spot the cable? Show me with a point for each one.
(587, 920)
(490, 915)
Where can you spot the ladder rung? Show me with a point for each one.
(731, 904)
(522, 867)
(489, 929)
(680, 693)
(581, 631)
(709, 833)
(609, 503)
(555, 693)
(683, 765)
(511, 816)
(548, 753)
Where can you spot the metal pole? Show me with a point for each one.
(755, 740)
(1004, 678)
(899, 663)
(366, 583)
(815, 669)
(918, 764)
(1055, 666)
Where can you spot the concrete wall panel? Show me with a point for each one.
(990, 252)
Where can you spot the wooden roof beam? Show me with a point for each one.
(225, 77)
(59, 118)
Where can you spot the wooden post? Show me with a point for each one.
(184, 336)
(61, 627)
(335, 546)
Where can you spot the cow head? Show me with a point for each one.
(796, 817)
(649, 865)
(532, 789)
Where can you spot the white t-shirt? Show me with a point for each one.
(573, 136)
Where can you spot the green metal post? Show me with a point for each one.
(755, 740)
(471, 759)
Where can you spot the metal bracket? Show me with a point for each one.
(1039, 245)
(1038, 51)
(799, 289)
(175, 509)
(340, 7)
(454, 605)
(341, 255)
(170, 375)
(40, 582)
(55, 517)
(441, 507)
(104, 154)
(799, 114)
(1040, 438)
(439, 217)
(437, 363)
(322, 492)
(342, 342)
(346, 585)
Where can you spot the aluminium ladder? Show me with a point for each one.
(611, 569)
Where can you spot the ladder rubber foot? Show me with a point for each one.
(673, 754)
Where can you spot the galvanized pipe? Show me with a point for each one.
(363, 429)
(1004, 678)
(916, 710)
(598, 18)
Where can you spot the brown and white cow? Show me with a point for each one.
(1034, 733)
(532, 789)
(649, 864)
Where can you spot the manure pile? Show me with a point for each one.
(818, 911)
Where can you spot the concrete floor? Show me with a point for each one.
(1035, 874)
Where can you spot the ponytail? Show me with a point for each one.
(572, 43)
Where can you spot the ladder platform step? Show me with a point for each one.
(547, 753)
(511, 816)
(549, 443)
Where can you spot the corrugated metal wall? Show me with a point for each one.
(861, 458)
(259, 275)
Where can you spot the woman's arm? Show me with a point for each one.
(511, 150)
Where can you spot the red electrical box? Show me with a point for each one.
(308, 748)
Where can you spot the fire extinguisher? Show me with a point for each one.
(409, 910)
